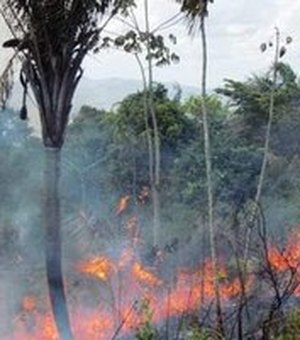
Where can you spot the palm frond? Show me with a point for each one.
(7, 82)
(195, 11)
(53, 37)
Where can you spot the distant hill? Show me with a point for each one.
(105, 93)
(102, 93)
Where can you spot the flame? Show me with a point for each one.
(44, 328)
(289, 257)
(99, 267)
(29, 303)
(122, 205)
(277, 259)
(191, 288)
(145, 276)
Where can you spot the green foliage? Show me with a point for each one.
(153, 45)
(196, 334)
(121, 136)
(235, 162)
(251, 99)
(146, 330)
(195, 11)
(291, 330)
(118, 141)
(193, 331)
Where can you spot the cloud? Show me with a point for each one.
(235, 31)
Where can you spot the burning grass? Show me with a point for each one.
(123, 284)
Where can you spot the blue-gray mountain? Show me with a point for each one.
(105, 93)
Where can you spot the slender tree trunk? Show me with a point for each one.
(157, 156)
(53, 243)
(208, 165)
(146, 116)
(254, 211)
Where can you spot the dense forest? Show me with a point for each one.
(164, 217)
(105, 180)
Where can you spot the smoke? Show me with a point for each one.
(107, 226)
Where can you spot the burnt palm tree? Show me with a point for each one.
(196, 11)
(51, 38)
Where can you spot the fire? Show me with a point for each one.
(29, 303)
(191, 289)
(93, 325)
(277, 260)
(289, 257)
(145, 276)
(122, 205)
(44, 327)
(99, 267)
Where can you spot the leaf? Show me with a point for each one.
(12, 43)
(120, 41)
(263, 47)
(282, 52)
(173, 39)
(175, 58)
(128, 47)
(23, 113)
(6, 82)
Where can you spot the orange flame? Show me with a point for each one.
(191, 288)
(99, 267)
(289, 257)
(29, 303)
(122, 205)
(145, 276)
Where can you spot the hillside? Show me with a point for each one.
(104, 93)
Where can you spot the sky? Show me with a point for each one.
(235, 31)
(236, 28)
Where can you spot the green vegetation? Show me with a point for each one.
(291, 329)
(207, 179)
(106, 151)
(146, 330)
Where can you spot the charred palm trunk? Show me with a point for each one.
(53, 38)
(55, 107)
(53, 243)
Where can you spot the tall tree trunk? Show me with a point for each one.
(254, 211)
(147, 127)
(53, 243)
(208, 165)
(157, 156)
